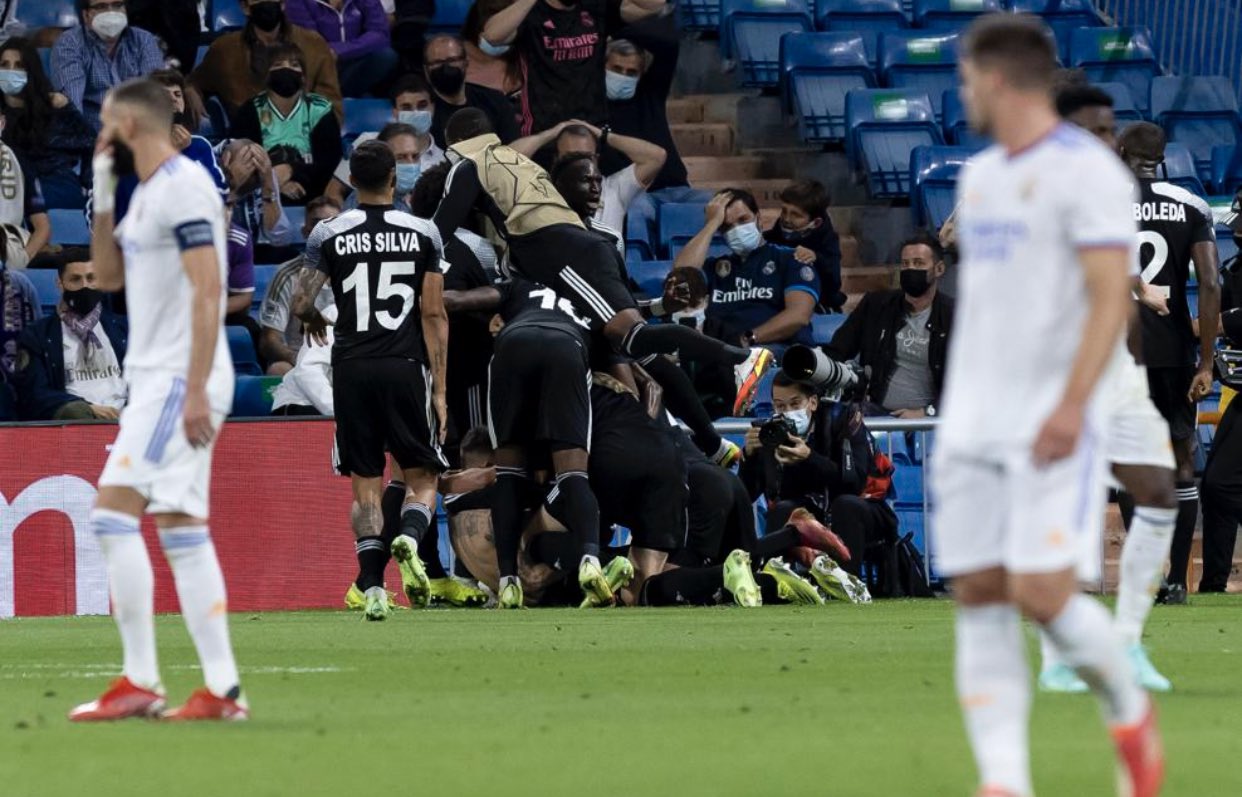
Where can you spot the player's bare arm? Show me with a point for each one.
(1105, 272)
(435, 333)
(1207, 266)
(310, 282)
(473, 300)
(202, 267)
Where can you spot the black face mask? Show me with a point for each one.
(284, 82)
(122, 159)
(82, 301)
(447, 79)
(267, 17)
(915, 281)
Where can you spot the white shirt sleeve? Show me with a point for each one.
(1100, 211)
(312, 375)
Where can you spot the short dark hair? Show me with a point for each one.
(1144, 140)
(809, 196)
(372, 165)
(743, 196)
(393, 129)
(429, 190)
(477, 441)
(1020, 46)
(324, 201)
(1072, 99)
(466, 124)
(925, 238)
(445, 37)
(564, 162)
(783, 379)
(147, 95)
(62, 259)
(409, 84)
(84, 6)
(286, 51)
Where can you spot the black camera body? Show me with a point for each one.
(776, 431)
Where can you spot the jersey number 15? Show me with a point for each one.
(359, 282)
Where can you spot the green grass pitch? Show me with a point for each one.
(841, 701)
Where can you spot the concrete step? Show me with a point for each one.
(863, 279)
(703, 138)
(684, 110)
(739, 169)
(716, 107)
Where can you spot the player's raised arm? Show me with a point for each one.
(105, 253)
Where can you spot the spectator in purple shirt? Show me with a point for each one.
(240, 283)
(357, 31)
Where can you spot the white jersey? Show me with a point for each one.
(1022, 300)
(176, 209)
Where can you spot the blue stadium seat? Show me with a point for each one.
(1179, 168)
(824, 326)
(449, 16)
(69, 227)
(251, 398)
(226, 15)
(751, 31)
(924, 61)
(1124, 109)
(44, 281)
(1200, 112)
(933, 173)
(1117, 55)
(650, 274)
(908, 482)
(48, 13)
(700, 14)
(1226, 168)
(262, 279)
(45, 55)
(885, 125)
(364, 116)
(1062, 16)
(241, 346)
(957, 128)
(679, 221)
(877, 16)
(819, 70)
(717, 248)
(951, 14)
(638, 235)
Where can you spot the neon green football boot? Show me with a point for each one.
(790, 586)
(739, 579)
(455, 591)
(593, 584)
(836, 583)
(619, 573)
(511, 594)
(414, 579)
(377, 607)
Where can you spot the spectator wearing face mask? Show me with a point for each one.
(69, 364)
(490, 65)
(805, 227)
(404, 143)
(560, 44)
(902, 335)
(102, 52)
(297, 128)
(236, 66)
(444, 64)
(42, 127)
(357, 32)
(413, 107)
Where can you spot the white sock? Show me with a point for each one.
(132, 586)
(1049, 656)
(200, 589)
(1142, 566)
(993, 687)
(589, 559)
(1088, 642)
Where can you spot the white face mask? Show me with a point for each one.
(744, 238)
(110, 24)
(801, 419)
(697, 316)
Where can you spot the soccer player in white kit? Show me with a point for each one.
(1047, 235)
(169, 253)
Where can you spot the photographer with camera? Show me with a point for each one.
(902, 335)
(816, 454)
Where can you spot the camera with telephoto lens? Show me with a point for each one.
(829, 378)
(776, 431)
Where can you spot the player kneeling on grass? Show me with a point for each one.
(169, 253)
(388, 364)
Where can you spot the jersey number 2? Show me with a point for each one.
(359, 281)
(1159, 254)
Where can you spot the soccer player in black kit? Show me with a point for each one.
(388, 364)
(1175, 228)
(539, 399)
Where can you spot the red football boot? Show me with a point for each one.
(203, 705)
(123, 700)
(1140, 771)
(813, 534)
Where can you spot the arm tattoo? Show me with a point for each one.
(310, 282)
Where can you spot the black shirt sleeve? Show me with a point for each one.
(461, 188)
(846, 343)
(246, 124)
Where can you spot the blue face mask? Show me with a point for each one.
(12, 81)
(494, 50)
(419, 120)
(407, 176)
(620, 87)
(744, 238)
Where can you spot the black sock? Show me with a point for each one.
(645, 339)
(415, 520)
(775, 543)
(685, 586)
(507, 517)
(683, 401)
(1125, 502)
(573, 504)
(554, 549)
(372, 556)
(1183, 531)
(429, 552)
(390, 507)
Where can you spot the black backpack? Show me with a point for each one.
(900, 571)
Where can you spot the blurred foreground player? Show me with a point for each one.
(1046, 230)
(388, 365)
(169, 253)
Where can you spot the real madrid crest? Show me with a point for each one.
(807, 273)
(723, 268)
(769, 268)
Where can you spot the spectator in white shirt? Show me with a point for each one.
(307, 388)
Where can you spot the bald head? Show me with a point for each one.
(1141, 146)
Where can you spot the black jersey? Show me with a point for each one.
(1171, 221)
(469, 262)
(375, 258)
(529, 304)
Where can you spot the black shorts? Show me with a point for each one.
(538, 390)
(579, 265)
(384, 404)
(1169, 388)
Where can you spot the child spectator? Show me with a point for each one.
(805, 226)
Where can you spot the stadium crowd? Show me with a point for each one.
(578, 89)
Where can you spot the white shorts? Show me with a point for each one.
(1136, 434)
(151, 453)
(997, 509)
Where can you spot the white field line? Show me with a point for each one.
(30, 671)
